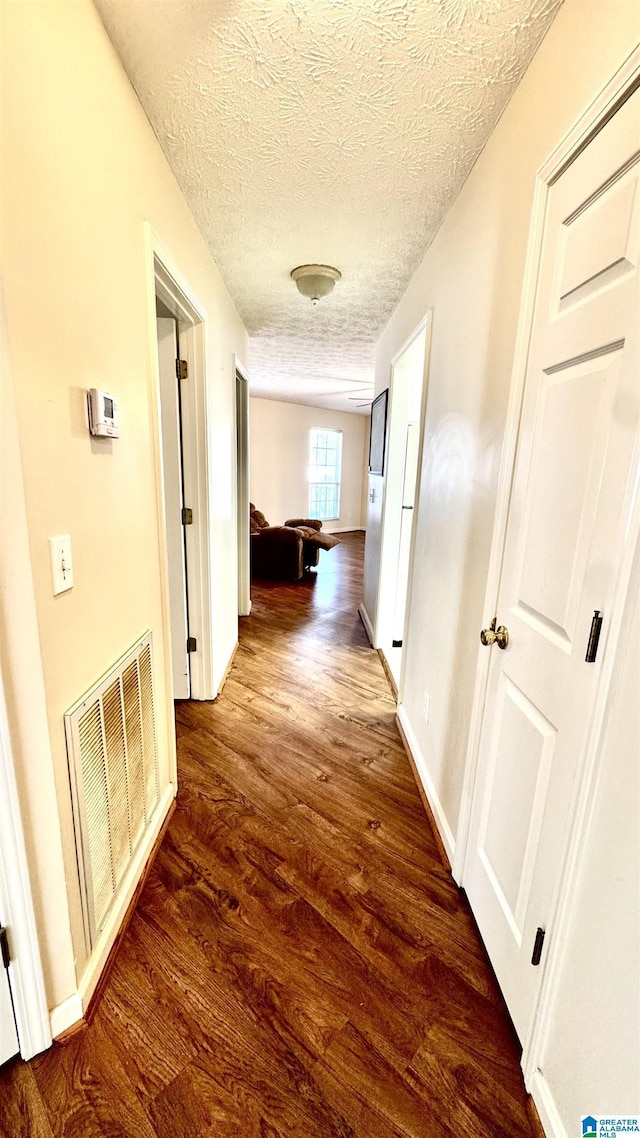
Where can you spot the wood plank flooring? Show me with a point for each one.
(300, 963)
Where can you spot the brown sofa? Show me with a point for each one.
(287, 552)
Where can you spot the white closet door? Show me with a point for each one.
(571, 500)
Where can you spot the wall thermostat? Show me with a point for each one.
(103, 413)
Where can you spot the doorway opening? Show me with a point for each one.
(184, 510)
(177, 514)
(400, 498)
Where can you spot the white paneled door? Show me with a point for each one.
(8, 1034)
(571, 500)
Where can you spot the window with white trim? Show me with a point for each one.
(324, 474)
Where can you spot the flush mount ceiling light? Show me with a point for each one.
(315, 281)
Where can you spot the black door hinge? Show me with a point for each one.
(537, 947)
(187, 516)
(4, 948)
(396, 644)
(594, 637)
(182, 369)
(192, 644)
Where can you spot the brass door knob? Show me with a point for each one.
(493, 635)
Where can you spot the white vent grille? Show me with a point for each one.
(113, 767)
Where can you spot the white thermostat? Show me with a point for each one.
(103, 413)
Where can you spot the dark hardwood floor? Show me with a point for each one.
(300, 963)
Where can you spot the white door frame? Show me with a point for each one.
(241, 487)
(166, 281)
(425, 326)
(594, 118)
(25, 968)
(171, 427)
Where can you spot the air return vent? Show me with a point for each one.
(113, 768)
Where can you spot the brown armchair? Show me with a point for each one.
(286, 552)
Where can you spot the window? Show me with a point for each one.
(324, 474)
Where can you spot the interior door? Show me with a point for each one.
(174, 502)
(576, 462)
(8, 1033)
(406, 527)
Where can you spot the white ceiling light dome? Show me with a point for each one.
(315, 281)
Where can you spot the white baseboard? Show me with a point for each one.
(552, 1123)
(444, 828)
(368, 627)
(72, 1010)
(66, 1014)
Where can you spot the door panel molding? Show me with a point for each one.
(617, 91)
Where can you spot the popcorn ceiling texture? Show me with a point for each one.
(332, 131)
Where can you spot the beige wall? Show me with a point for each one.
(472, 278)
(23, 685)
(280, 460)
(82, 173)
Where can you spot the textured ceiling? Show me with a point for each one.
(331, 131)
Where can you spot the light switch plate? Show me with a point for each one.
(61, 563)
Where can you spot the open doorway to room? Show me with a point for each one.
(406, 416)
(182, 434)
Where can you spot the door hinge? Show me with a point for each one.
(4, 948)
(182, 369)
(396, 644)
(187, 516)
(594, 637)
(192, 644)
(537, 947)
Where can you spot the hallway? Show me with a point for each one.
(300, 962)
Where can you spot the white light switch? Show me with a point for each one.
(61, 563)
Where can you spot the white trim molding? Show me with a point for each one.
(427, 325)
(165, 280)
(66, 1015)
(391, 497)
(25, 968)
(548, 1113)
(444, 829)
(368, 627)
